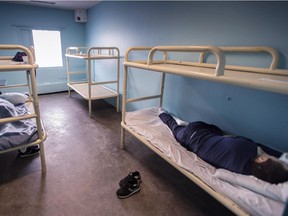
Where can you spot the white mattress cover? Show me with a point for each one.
(147, 123)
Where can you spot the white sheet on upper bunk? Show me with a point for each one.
(255, 196)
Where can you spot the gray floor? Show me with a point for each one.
(84, 166)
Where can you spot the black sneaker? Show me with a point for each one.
(131, 187)
(132, 175)
(30, 151)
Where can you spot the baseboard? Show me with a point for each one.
(44, 88)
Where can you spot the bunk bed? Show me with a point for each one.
(243, 195)
(25, 121)
(89, 89)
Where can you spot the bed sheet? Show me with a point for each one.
(147, 123)
(15, 133)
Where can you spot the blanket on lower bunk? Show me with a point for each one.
(255, 196)
(17, 132)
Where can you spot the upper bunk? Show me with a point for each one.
(93, 53)
(28, 66)
(162, 59)
(6, 63)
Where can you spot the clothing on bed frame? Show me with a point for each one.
(233, 153)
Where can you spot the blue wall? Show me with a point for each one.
(261, 116)
(72, 34)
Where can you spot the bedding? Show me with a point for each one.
(14, 98)
(267, 200)
(277, 192)
(17, 132)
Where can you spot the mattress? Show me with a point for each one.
(255, 196)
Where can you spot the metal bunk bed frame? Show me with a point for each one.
(31, 84)
(268, 79)
(89, 89)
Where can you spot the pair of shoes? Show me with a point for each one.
(129, 185)
(29, 151)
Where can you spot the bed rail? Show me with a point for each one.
(253, 49)
(90, 52)
(269, 79)
(273, 52)
(19, 47)
(219, 70)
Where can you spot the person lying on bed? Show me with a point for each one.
(234, 153)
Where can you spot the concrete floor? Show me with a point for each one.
(84, 166)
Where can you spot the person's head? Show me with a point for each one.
(269, 170)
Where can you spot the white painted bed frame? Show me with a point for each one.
(33, 102)
(89, 89)
(268, 79)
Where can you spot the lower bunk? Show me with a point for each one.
(18, 125)
(243, 195)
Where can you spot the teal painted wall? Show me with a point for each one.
(259, 115)
(72, 34)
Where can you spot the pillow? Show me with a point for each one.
(277, 192)
(14, 98)
(7, 109)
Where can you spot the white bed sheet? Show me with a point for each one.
(147, 123)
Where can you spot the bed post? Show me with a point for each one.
(68, 71)
(162, 90)
(118, 77)
(124, 99)
(38, 121)
(89, 82)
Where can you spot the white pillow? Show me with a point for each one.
(277, 192)
(14, 98)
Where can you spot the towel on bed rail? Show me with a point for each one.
(17, 132)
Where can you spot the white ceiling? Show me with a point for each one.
(68, 5)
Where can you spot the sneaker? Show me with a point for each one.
(132, 175)
(29, 151)
(131, 187)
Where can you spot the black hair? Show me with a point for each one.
(270, 171)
